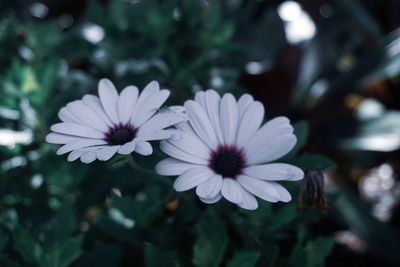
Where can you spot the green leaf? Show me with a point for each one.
(244, 259)
(313, 162)
(64, 253)
(30, 250)
(103, 256)
(318, 250)
(155, 257)
(212, 240)
(6, 262)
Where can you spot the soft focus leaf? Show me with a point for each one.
(211, 241)
(244, 259)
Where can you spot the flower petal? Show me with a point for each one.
(144, 148)
(66, 116)
(160, 121)
(171, 167)
(79, 144)
(93, 102)
(56, 138)
(243, 103)
(109, 99)
(191, 145)
(107, 152)
(127, 148)
(278, 147)
(71, 128)
(199, 97)
(213, 101)
(261, 189)
(229, 118)
(271, 129)
(210, 188)
(150, 107)
(232, 190)
(74, 155)
(177, 153)
(211, 200)
(250, 122)
(201, 124)
(89, 157)
(126, 103)
(87, 116)
(275, 172)
(284, 195)
(147, 93)
(249, 202)
(192, 178)
(160, 135)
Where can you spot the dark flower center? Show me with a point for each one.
(228, 161)
(121, 134)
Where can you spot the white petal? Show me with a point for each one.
(250, 122)
(199, 97)
(160, 135)
(278, 147)
(192, 145)
(275, 172)
(107, 152)
(109, 99)
(150, 107)
(66, 116)
(147, 93)
(213, 101)
(261, 189)
(232, 190)
(201, 124)
(93, 102)
(210, 188)
(171, 167)
(229, 118)
(71, 128)
(192, 178)
(144, 148)
(126, 103)
(284, 195)
(249, 202)
(56, 138)
(74, 155)
(177, 153)
(265, 135)
(79, 144)
(160, 121)
(87, 116)
(243, 103)
(127, 148)
(88, 157)
(211, 200)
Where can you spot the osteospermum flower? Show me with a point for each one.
(99, 127)
(223, 151)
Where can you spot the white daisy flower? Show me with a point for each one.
(99, 127)
(223, 151)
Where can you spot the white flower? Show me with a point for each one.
(97, 128)
(223, 150)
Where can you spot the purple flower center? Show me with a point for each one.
(227, 160)
(121, 134)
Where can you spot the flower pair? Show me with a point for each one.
(217, 145)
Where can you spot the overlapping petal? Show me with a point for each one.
(99, 127)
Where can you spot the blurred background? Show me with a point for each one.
(331, 66)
